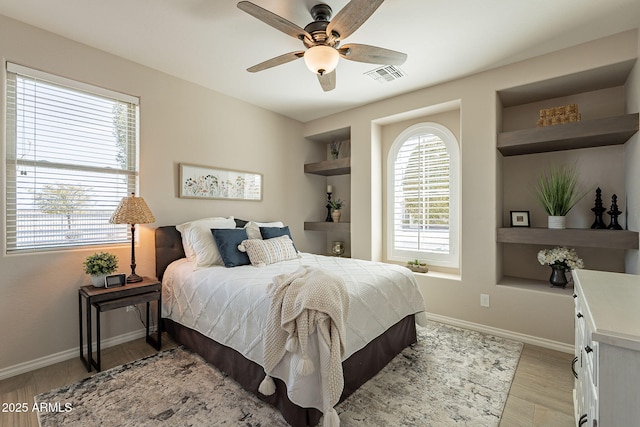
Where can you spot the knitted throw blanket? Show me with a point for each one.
(309, 299)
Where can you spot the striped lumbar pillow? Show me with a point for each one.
(264, 252)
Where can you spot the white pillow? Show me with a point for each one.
(253, 228)
(264, 252)
(198, 243)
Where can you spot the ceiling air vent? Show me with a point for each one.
(386, 73)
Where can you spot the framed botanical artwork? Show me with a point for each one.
(206, 182)
(520, 219)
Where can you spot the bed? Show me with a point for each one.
(184, 320)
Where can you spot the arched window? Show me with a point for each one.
(423, 196)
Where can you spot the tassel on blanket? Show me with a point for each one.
(267, 386)
(331, 418)
(292, 344)
(305, 366)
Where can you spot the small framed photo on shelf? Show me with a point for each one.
(520, 219)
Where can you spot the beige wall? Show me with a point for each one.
(180, 122)
(539, 314)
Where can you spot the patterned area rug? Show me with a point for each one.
(452, 376)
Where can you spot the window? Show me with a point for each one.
(71, 156)
(423, 196)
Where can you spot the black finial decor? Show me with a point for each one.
(328, 219)
(614, 213)
(598, 210)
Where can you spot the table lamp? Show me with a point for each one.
(132, 210)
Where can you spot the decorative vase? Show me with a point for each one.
(337, 248)
(98, 280)
(557, 222)
(558, 279)
(335, 215)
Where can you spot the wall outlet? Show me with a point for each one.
(131, 308)
(484, 300)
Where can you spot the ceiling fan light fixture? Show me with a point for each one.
(321, 59)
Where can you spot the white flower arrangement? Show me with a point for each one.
(560, 256)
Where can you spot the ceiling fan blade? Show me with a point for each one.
(276, 21)
(327, 81)
(278, 60)
(352, 16)
(372, 54)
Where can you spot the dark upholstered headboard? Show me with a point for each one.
(168, 248)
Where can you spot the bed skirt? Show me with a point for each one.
(358, 368)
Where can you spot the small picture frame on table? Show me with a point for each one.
(520, 219)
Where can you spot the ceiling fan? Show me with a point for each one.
(322, 39)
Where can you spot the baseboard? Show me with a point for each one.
(51, 359)
(516, 336)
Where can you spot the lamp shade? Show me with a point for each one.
(132, 210)
(321, 59)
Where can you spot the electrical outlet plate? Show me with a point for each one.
(484, 300)
(130, 308)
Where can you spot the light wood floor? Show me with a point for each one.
(541, 393)
(542, 390)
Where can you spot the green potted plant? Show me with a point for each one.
(335, 149)
(336, 206)
(558, 192)
(100, 265)
(417, 266)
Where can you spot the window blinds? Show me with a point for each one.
(71, 156)
(422, 195)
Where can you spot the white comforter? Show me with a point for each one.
(230, 305)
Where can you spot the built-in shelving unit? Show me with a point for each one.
(329, 167)
(578, 237)
(336, 172)
(590, 133)
(606, 128)
(536, 285)
(327, 226)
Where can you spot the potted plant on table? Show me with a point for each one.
(336, 206)
(100, 265)
(558, 191)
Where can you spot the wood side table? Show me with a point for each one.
(105, 299)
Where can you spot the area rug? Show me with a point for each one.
(452, 376)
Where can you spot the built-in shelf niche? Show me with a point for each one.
(337, 172)
(570, 136)
(600, 136)
(327, 226)
(576, 237)
(330, 167)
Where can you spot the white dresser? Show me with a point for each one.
(607, 363)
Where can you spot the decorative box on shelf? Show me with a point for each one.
(559, 115)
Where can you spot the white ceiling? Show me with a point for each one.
(211, 43)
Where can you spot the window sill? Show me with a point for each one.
(440, 275)
(452, 274)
